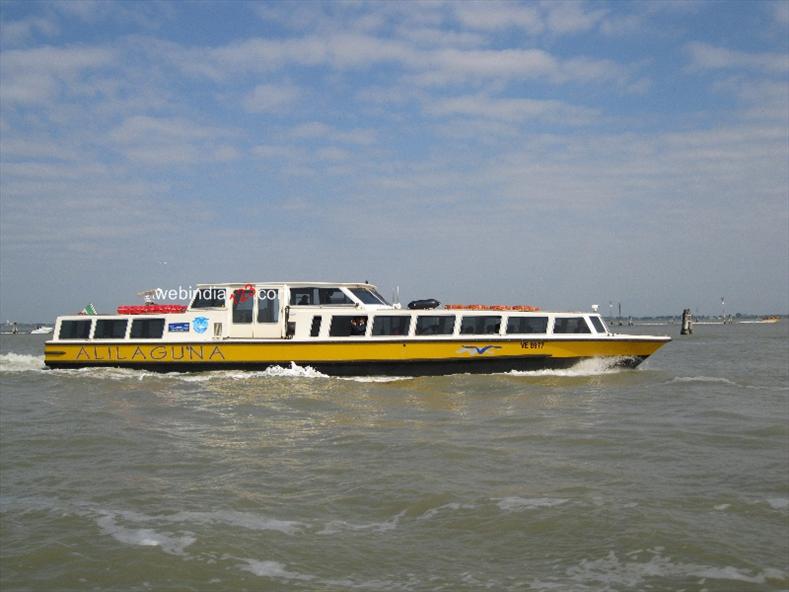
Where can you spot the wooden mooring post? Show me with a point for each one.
(687, 323)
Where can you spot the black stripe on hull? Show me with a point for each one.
(371, 368)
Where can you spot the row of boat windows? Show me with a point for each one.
(112, 329)
(352, 325)
(347, 326)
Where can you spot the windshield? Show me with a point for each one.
(368, 296)
(598, 324)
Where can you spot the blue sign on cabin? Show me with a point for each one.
(178, 327)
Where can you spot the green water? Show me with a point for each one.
(671, 477)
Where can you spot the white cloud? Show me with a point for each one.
(763, 99)
(318, 130)
(617, 24)
(494, 16)
(271, 98)
(157, 130)
(709, 57)
(459, 65)
(225, 153)
(277, 152)
(424, 65)
(37, 75)
(159, 141)
(512, 109)
(331, 153)
(563, 17)
(313, 129)
(149, 15)
(779, 11)
(436, 37)
(15, 32)
(554, 17)
(14, 147)
(87, 10)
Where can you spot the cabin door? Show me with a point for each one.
(243, 308)
(269, 318)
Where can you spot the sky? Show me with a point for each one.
(558, 154)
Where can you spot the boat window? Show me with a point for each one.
(333, 296)
(315, 296)
(315, 330)
(74, 329)
(348, 326)
(303, 296)
(480, 325)
(268, 306)
(367, 296)
(110, 329)
(527, 325)
(243, 301)
(435, 325)
(598, 324)
(378, 295)
(391, 325)
(209, 298)
(147, 328)
(570, 325)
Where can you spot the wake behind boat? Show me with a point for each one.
(339, 329)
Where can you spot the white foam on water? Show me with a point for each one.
(279, 571)
(273, 569)
(767, 388)
(729, 573)
(294, 371)
(517, 504)
(107, 373)
(146, 537)
(778, 503)
(453, 506)
(243, 519)
(336, 526)
(590, 367)
(612, 573)
(374, 378)
(717, 379)
(721, 507)
(12, 362)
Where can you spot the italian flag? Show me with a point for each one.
(89, 310)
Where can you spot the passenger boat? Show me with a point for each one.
(338, 329)
(43, 330)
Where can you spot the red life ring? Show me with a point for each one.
(141, 309)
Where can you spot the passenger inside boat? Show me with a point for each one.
(358, 326)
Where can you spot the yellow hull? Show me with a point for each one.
(352, 357)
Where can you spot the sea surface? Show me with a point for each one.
(674, 476)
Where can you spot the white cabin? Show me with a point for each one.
(318, 311)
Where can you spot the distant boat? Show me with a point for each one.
(43, 330)
(762, 321)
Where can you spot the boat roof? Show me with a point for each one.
(299, 284)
